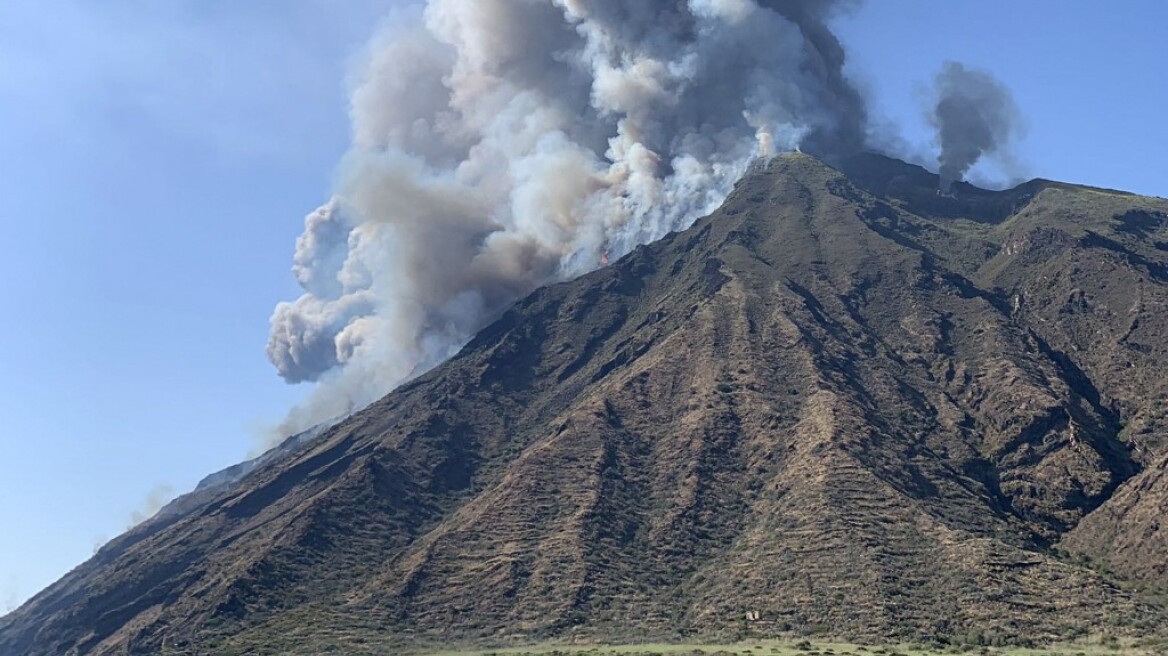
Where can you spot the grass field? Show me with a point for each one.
(804, 648)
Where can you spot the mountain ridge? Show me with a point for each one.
(842, 400)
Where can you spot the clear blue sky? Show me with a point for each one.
(157, 159)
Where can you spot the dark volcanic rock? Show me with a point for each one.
(842, 401)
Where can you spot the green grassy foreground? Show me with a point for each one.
(804, 648)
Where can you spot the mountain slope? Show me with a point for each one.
(842, 401)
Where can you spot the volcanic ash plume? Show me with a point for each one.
(9, 595)
(158, 497)
(499, 145)
(974, 116)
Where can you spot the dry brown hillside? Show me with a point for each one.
(842, 401)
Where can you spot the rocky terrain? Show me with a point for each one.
(843, 403)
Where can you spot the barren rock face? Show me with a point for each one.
(840, 401)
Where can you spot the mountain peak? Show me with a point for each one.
(842, 400)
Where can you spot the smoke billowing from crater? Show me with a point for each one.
(499, 145)
(974, 115)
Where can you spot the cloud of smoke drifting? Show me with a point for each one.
(158, 497)
(10, 595)
(499, 145)
(974, 115)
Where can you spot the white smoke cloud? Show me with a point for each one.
(10, 594)
(158, 497)
(499, 145)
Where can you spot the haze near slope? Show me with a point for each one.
(525, 143)
(841, 400)
(529, 142)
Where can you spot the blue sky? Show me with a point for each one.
(157, 159)
(1091, 78)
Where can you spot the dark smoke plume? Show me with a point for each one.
(499, 145)
(975, 115)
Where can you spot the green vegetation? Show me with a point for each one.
(1098, 646)
(840, 407)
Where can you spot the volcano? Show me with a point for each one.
(840, 404)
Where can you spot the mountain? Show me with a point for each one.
(843, 401)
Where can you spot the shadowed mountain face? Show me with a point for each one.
(841, 401)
